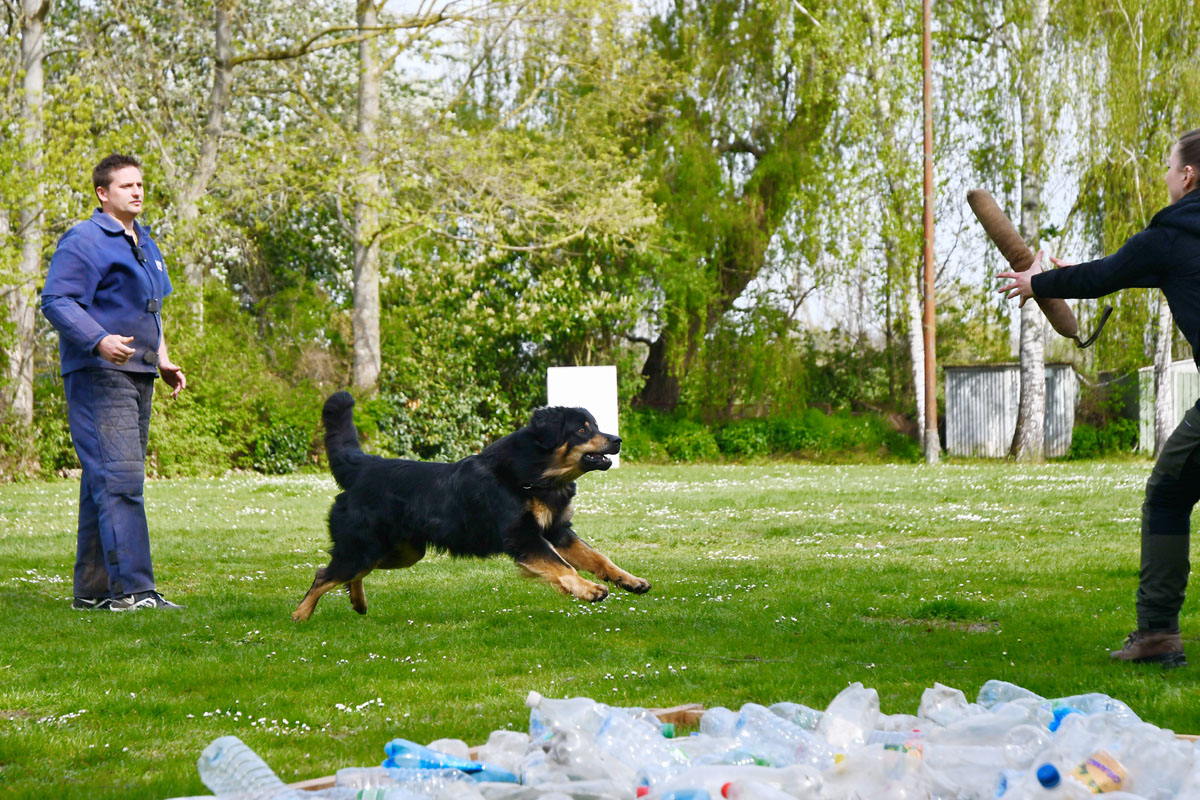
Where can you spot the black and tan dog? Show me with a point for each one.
(514, 497)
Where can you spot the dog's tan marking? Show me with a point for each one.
(566, 466)
(320, 586)
(581, 555)
(358, 598)
(563, 577)
(541, 513)
(567, 513)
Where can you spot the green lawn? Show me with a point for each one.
(775, 582)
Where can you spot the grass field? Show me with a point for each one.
(774, 582)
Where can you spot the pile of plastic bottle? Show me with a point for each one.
(1010, 743)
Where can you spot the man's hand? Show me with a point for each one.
(115, 348)
(1022, 282)
(172, 374)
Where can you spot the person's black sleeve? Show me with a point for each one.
(1140, 262)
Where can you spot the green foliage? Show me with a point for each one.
(691, 442)
(1117, 437)
(650, 437)
(236, 413)
(55, 452)
(745, 438)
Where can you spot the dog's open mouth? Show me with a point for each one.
(596, 461)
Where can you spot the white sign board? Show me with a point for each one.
(593, 388)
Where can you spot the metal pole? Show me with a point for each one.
(932, 442)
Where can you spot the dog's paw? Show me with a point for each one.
(299, 616)
(584, 589)
(632, 583)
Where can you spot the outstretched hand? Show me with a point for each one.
(172, 374)
(1022, 282)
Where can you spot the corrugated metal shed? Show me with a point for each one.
(1185, 383)
(981, 408)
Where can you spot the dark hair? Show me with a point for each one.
(102, 174)
(1189, 149)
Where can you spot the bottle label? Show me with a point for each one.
(1101, 773)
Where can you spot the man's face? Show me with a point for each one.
(122, 198)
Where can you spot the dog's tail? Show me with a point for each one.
(341, 439)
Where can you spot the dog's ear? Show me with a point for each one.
(548, 425)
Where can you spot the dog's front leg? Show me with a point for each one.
(582, 555)
(541, 560)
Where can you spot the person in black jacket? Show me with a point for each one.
(1165, 255)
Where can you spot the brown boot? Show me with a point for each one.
(1152, 647)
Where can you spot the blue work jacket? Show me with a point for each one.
(98, 284)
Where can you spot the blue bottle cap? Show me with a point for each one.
(1060, 713)
(1047, 775)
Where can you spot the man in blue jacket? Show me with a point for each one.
(1165, 255)
(104, 294)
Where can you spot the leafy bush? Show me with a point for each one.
(55, 451)
(691, 441)
(745, 438)
(655, 436)
(638, 443)
(1088, 441)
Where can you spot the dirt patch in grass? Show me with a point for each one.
(968, 626)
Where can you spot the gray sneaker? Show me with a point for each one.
(91, 603)
(1152, 647)
(150, 599)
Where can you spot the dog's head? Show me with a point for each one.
(573, 441)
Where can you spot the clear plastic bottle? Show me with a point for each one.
(505, 749)
(229, 768)
(363, 777)
(573, 713)
(995, 692)
(962, 770)
(577, 790)
(743, 789)
(850, 717)
(1024, 744)
(536, 769)
(687, 794)
(778, 741)
(718, 721)
(576, 755)
(412, 780)
(987, 728)
(798, 714)
(797, 780)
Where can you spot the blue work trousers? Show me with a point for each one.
(109, 414)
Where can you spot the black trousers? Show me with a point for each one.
(1171, 492)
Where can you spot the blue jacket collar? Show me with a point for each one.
(110, 224)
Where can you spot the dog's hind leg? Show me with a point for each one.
(320, 586)
(358, 597)
(581, 555)
(325, 580)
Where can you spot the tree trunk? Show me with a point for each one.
(916, 347)
(206, 164)
(1164, 394)
(1029, 439)
(367, 359)
(20, 300)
